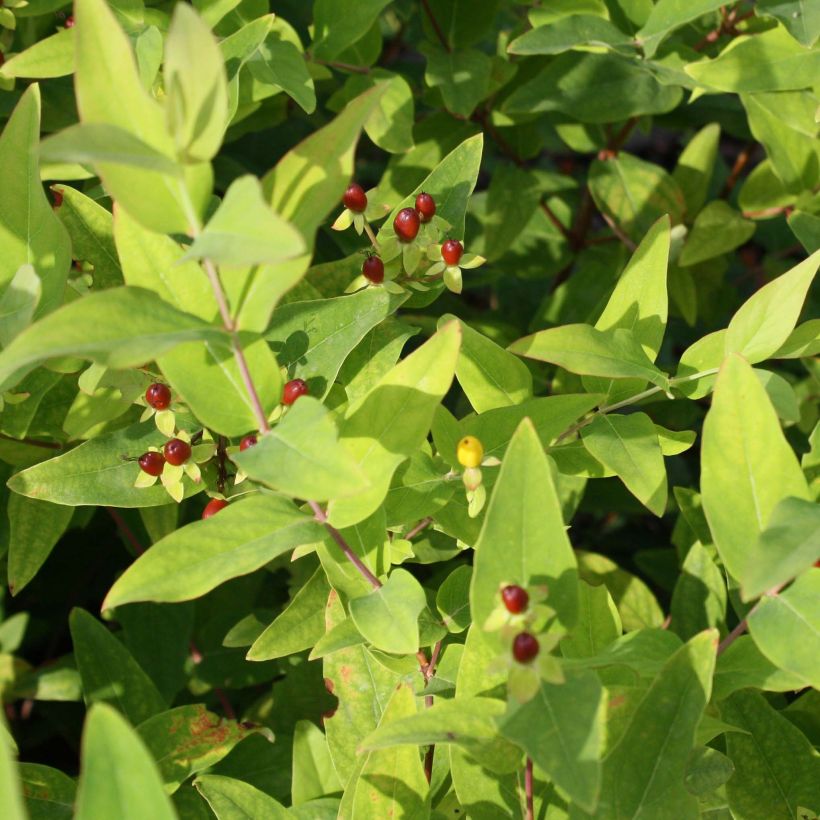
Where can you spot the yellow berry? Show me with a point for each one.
(469, 452)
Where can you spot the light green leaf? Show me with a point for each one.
(629, 446)
(388, 617)
(461, 76)
(599, 623)
(232, 799)
(789, 544)
(18, 303)
(696, 165)
(298, 626)
(747, 466)
(668, 15)
(118, 778)
(567, 33)
(11, 793)
(803, 341)
(195, 559)
(245, 231)
(30, 234)
(109, 672)
(786, 627)
(50, 57)
(699, 597)
(523, 540)
(313, 772)
(280, 63)
(765, 320)
(49, 793)
(718, 229)
(337, 27)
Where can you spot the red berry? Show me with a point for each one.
(451, 251)
(213, 507)
(2, 58)
(355, 198)
(426, 206)
(151, 463)
(373, 270)
(158, 396)
(406, 224)
(176, 451)
(69, 21)
(293, 389)
(525, 647)
(515, 598)
(246, 442)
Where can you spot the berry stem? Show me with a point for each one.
(371, 236)
(528, 788)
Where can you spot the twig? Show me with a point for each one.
(737, 169)
(371, 236)
(528, 788)
(356, 69)
(436, 27)
(728, 25)
(428, 671)
(562, 229)
(422, 525)
(221, 467)
(744, 623)
(615, 228)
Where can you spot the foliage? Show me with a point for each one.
(487, 488)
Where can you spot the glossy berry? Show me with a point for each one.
(469, 452)
(451, 251)
(176, 451)
(57, 196)
(246, 442)
(525, 647)
(69, 21)
(293, 390)
(213, 507)
(151, 463)
(406, 224)
(373, 270)
(426, 206)
(158, 396)
(515, 598)
(355, 198)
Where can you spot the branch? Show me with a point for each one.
(744, 623)
(528, 788)
(436, 27)
(422, 525)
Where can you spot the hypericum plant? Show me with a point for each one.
(348, 352)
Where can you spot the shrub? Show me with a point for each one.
(409, 409)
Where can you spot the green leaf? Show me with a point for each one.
(561, 729)
(231, 799)
(786, 627)
(567, 33)
(11, 794)
(299, 626)
(599, 623)
(313, 772)
(629, 446)
(593, 88)
(770, 61)
(706, 770)
(412, 390)
(744, 666)
(49, 793)
(462, 77)
(668, 15)
(453, 599)
(696, 165)
(523, 515)
(121, 327)
(718, 229)
(644, 769)
(336, 28)
(118, 778)
(195, 559)
(109, 673)
(279, 62)
(245, 231)
(765, 320)
(747, 466)
(95, 472)
(489, 375)
(800, 17)
(806, 227)
(187, 740)
(585, 350)
(50, 57)
(18, 303)
(699, 597)
(30, 233)
(34, 529)
(388, 617)
(789, 544)
(803, 341)
(196, 105)
(776, 769)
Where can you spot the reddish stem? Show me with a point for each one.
(436, 27)
(528, 788)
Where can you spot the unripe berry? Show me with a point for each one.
(355, 198)
(293, 390)
(373, 270)
(515, 598)
(158, 396)
(469, 452)
(213, 507)
(406, 224)
(152, 463)
(246, 442)
(451, 251)
(426, 206)
(525, 647)
(176, 451)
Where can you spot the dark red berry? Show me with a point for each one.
(2, 58)
(355, 198)
(525, 647)
(426, 206)
(293, 390)
(213, 507)
(158, 396)
(176, 451)
(151, 463)
(57, 196)
(373, 270)
(406, 224)
(451, 251)
(69, 21)
(246, 442)
(515, 598)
